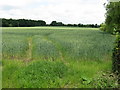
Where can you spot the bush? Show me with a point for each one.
(41, 74)
(105, 80)
(116, 57)
(103, 27)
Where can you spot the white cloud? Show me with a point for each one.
(66, 11)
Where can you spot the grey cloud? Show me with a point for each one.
(8, 7)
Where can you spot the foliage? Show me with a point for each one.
(113, 17)
(41, 74)
(68, 74)
(116, 57)
(22, 23)
(9, 67)
(103, 27)
(113, 26)
(30, 23)
(105, 80)
(54, 23)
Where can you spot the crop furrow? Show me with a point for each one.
(56, 45)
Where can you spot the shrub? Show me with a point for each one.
(103, 27)
(105, 80)
(116, 57)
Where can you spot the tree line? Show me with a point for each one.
(55, 23)
(31, 23)
(22, 23)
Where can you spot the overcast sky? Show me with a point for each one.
(66, 11)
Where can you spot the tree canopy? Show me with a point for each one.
(31, 23)
(113, 17)
(22, 23)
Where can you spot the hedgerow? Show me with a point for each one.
(116, 57)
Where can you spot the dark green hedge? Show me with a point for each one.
(116, 57)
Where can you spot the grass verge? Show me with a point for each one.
(52, 74)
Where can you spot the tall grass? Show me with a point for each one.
(14, 47)
(75, 43)
(58, 57)
(43, 49)
(51, 74)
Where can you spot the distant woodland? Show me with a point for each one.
(31, 23)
